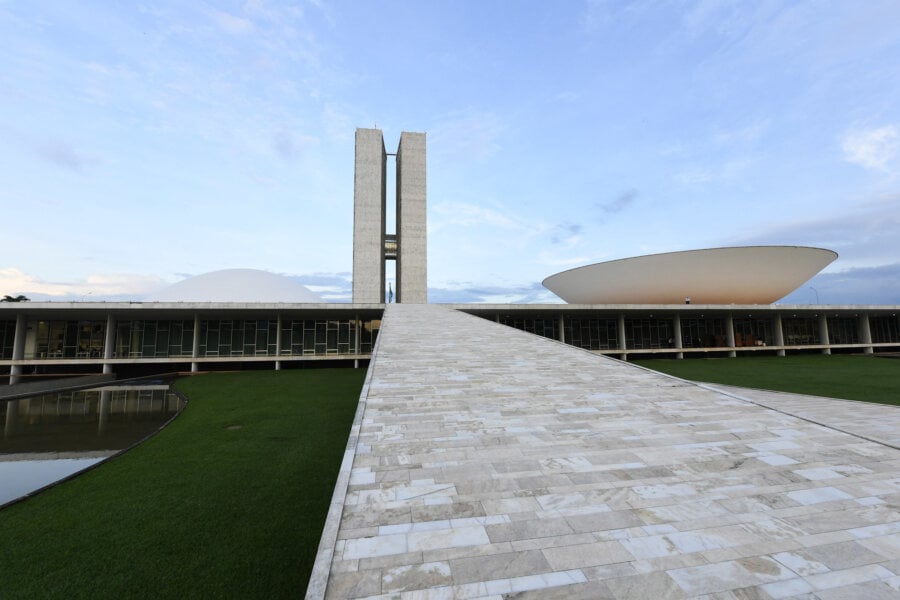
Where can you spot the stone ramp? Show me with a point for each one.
(875, 422)
(491, 463)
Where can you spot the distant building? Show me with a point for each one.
(697, 303)
(372, 245)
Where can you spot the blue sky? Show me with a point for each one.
(141, 143)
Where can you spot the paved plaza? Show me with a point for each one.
(486, 462)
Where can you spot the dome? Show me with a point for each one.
(236, 285)
(740, 275)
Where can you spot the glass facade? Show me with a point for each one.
(885, 330)
(154, 338)
(543, 325)
(332, 336)
(703, 333)
(800, 331)
(175, 338)
(238, 337)
(303, 337)
(592, 334)
(648, 334)
(7, 338)
(69, 339)
(754, 332)
(843, 330)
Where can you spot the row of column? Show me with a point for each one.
(865, 334)
(18, 353)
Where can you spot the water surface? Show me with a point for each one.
(51, 436)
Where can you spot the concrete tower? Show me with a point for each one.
(372, 245)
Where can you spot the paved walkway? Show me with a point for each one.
(490, 463)
(875, 422)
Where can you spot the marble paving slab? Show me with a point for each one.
(490, 463)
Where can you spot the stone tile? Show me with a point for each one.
(354, 585)
(723, 576)
(523, 530)
(819, 495)
(844, 555)
(856, 575)
(787, 588)
(656, 585)
(379, 545)
(870, 590)
(586, 555)
(418, 576)
(590, 590)
(887, 546)
(499, 566)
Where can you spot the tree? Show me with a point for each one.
(19, 298)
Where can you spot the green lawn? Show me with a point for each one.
(228, 501)
(866, 378)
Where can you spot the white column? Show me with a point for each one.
(865, 333)
(779, 335)
(195, 351)
(823, 334)
(278, 344)
(676, 324)
(356, 342)
(562, 328)
(622, 347)
(729, 335)
(109, 344)
(15, 372)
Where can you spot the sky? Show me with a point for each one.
(145, 142)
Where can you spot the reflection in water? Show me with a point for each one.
(51, 436)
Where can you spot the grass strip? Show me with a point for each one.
(865, 378)
(227, 502)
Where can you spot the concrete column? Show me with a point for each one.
(195, 351)
(729, 335)
(779, 334)
(497, 318)
(109, 344)
(369, 217)
(865, 333)
(621, 325)
(278, 344)
(676, 325)
(18, 353)
(823, 334)
(412, 254)
(562, 328)
(356, 343)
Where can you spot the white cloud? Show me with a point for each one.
(64, 155)
(232, 24)
(694, 175)
(95, 287)
(872, 148)
(466, 136)
(459, 213)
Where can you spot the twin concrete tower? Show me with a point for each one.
(372, 245)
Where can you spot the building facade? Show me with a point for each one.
(47, 338)
(372, 245)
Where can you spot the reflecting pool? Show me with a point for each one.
(51, 436)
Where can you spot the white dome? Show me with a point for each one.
(741, 275)
(236, 285)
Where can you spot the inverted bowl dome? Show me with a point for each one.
(741, 275)
(236, 285)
